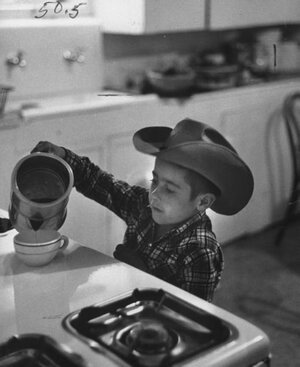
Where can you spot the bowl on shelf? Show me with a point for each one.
(216, 77)
(171, 82)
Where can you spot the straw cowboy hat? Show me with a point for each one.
(200, 148)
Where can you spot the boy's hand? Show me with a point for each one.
(129, 256)
(47, 147)
(5, 225)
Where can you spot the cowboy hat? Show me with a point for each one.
(201, 148)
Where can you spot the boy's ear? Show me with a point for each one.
(205, 201)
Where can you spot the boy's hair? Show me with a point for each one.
(199, 184)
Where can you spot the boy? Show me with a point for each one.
(168, 232)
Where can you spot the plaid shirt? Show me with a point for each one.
(188, 256)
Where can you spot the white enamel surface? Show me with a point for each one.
(35, 259)
(147, 16)
(47, 72)
(35, 300)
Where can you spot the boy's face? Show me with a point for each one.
(170, 195)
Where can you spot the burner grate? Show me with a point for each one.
(149, 328)
(37, 350)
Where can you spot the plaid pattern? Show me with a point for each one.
(188, 256)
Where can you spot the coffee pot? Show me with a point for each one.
(41, 184)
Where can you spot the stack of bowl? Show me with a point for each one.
(214, 72)
(171, 82)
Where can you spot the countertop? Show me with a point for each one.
(36, 109)
(36, 299)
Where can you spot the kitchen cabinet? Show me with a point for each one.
(7, 158)
(245, 13)
(103, 136)
(250, 117)
(85, 218)
(134, 167)
(148, 16)
(256, 130)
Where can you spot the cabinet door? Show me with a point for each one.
(258, 134)
(244, 13)
(127, 164)
(174, 15)
(86, 219)
(6, 165)
(149, 16)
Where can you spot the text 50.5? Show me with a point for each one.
(57, 8)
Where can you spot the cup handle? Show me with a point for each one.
(65, 240)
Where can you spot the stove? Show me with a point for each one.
(149, 328)
(37, 350)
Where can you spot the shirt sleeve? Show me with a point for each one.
(118, 196)
(201, 272)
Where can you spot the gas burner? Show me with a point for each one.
(148, 328)
(37, 350)
(149, 341)
(148, 337)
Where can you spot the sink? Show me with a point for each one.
(69, 104)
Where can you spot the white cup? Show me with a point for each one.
(37, 248)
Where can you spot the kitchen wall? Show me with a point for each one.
(127, 57)
(101, 131)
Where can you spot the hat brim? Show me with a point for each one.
(151, 140)
(223, 167)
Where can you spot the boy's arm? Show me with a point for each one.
(201, 272)
(129, 256)
(118, 196)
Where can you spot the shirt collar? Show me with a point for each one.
(195, 220)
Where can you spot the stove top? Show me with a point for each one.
(148, 327)
(37, 350)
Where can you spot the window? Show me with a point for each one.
(24, 9)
